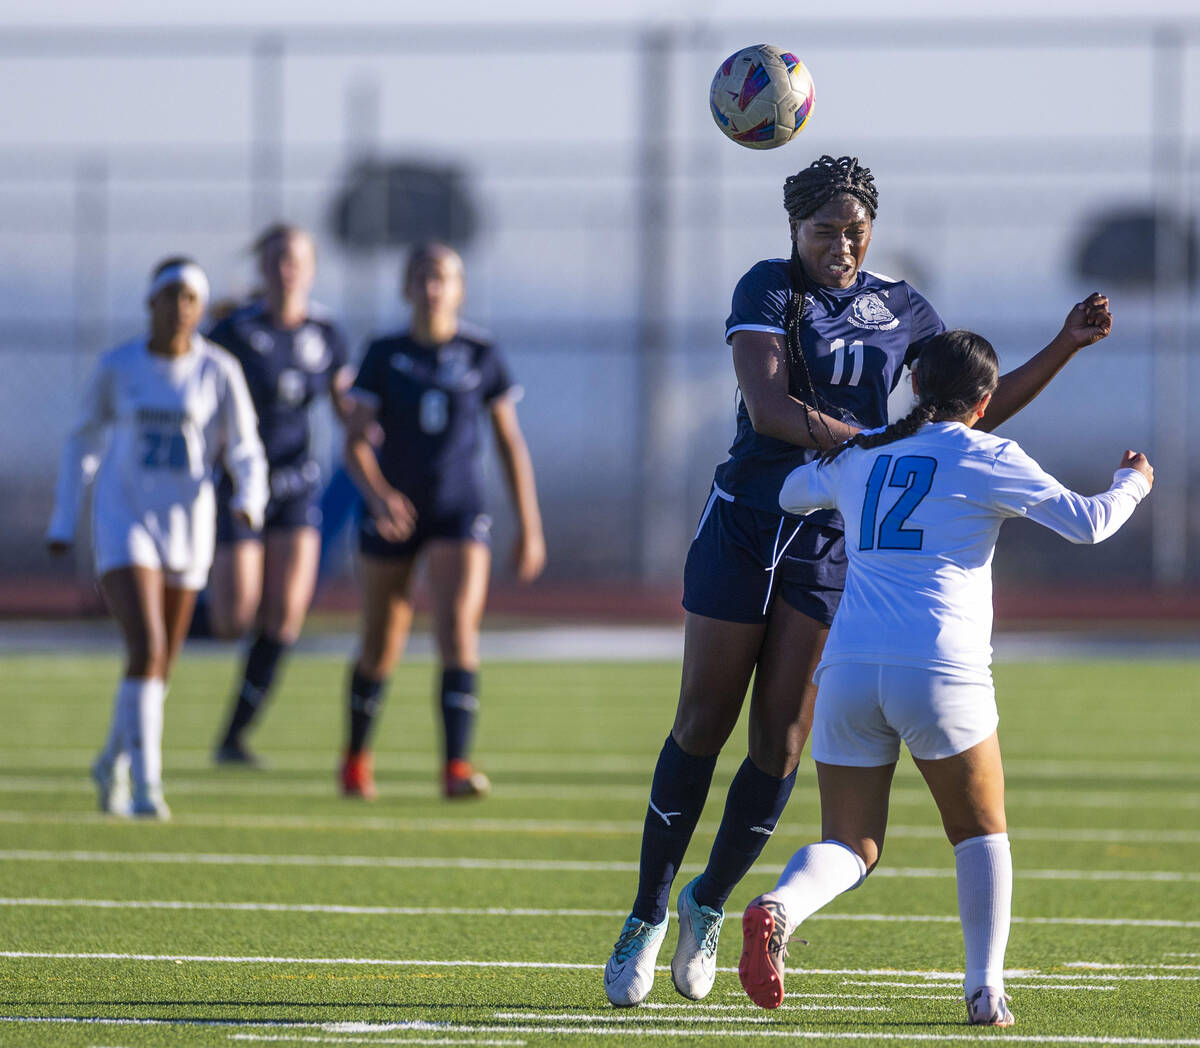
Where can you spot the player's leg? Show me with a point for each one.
(458, 580)
(235, 586)
(386, 620)
(780, 717)
(854, 807)
(135, 595)
(289, 574)
(969, 790)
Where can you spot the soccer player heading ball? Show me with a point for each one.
(818, 344)
(170, 404)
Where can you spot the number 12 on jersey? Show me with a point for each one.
(914, 473)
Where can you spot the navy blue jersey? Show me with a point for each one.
(855, 340)
(431, 403)
(285, 371)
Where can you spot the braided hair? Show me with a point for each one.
(954, 372)
(803, 194)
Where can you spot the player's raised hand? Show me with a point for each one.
(1136, 460)
(1089, 321)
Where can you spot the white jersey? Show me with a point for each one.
(167, 421)
(922, 517)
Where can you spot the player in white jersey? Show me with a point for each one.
(157, 413)
(909, 652)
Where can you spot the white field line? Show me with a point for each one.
(804, 1035)
(1105, 967)
(635, 1018)
(534, 865)
(502, 911)
(1057, 987)
(397, 962)
(1186, 797)
(578, 827)
(70, 759)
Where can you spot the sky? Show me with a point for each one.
(15, 13)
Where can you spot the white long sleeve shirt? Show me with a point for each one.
(922, 518)
(149, 431)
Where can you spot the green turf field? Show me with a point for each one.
(271, 910)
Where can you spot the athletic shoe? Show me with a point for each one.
(988, 1006)
(148, 803)
(629, 973)
(231, 751)
(461, 780)
(358, 776)
(764, 949)
(112, 785)
(694, 966)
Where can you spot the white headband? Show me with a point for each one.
(187, 273)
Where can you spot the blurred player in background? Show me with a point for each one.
(909, 653)
(169, 405)
(818, 344)
(291, 354)
(423, 396)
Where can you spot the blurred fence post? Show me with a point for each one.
(1171, 402)
(90, 277)
(361, 269)
(652, 296)
(266, 132)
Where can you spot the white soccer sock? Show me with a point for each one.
(114, 744)
(985, 907)
(815, 876)
(144, 722)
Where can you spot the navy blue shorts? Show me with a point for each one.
(461, 526)
(283, 513)
(728, 572)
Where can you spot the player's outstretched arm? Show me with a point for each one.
(1088, 322)
(1091, 519)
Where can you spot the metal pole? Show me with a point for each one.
(91, 255)
(1169, 328)
(651, 391)
(266, 142)
(361, 274)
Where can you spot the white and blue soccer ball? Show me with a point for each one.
(761, 96)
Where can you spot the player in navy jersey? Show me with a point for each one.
(818, 344)
(291, 354)
(423, 396)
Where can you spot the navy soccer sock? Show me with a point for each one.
(459, 707)
(257, 678)
(752, 810)
(366, 696)
(677, 797)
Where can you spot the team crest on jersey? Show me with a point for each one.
(292, 387)
(310, 349)
(261, 341)
(868, 311)
(401, 361)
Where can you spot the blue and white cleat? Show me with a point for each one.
(694, 966)
(112, 785)
(629, 974)
(988, 1006)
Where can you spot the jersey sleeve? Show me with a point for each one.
(925, 323)
(242, 449)
(81, 455)
(807, 488)
(370, 382)
(496, 378)
(1017, 482)
(760, 301)
(1089, 519)
(339, 353)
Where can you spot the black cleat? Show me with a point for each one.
(232, 752)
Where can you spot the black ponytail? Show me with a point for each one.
(954, 372)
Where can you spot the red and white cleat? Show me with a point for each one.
(764, 938)
(461, 780)
(358, 776)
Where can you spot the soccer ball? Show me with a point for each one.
(761, 97)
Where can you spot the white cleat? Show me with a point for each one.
(629, 974)
(112, 785)
(694, 966)
(988, 1006)
(148, 803)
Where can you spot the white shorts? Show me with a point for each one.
(180, 546)
(863, 710)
